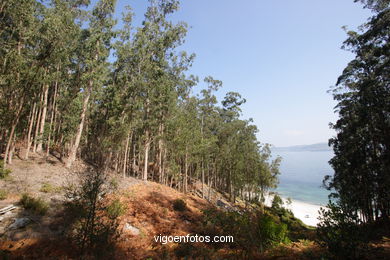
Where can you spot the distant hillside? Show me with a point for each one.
(320, 147)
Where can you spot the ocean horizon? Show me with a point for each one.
(302, 173)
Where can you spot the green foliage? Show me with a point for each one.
(49, 188)
(376, 5)
(277, 202)
(94, 222)
(114, 184)
(4, 173)
(179, 205)
(3, 194)
(36, 205)
(135, 112)
(339, 232)
(116, 209)
(361, 147)
(252, 232)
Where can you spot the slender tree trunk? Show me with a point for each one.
(30, 127)
(12, 150)
(147, 147)
(185, 186)
(202, 179)
(126, 155)
(12, 132)
(43, 117)
(52, 117)
(37, 124)
(160, 152)
(73, 150)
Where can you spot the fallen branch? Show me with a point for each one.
(6, 209)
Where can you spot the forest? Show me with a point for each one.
(116, 102)
(76, 86)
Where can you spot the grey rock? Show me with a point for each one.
(19, 223)
(133, 230)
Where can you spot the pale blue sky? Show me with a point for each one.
(281, 55)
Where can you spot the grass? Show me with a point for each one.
(37, 205)
(49, 188)
(3, 194)
(4, 173)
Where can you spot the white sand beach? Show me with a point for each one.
(306, 212)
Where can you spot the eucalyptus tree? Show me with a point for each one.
(154, 46)
(209, 118)
(362, 155)
(95, 43)
(18, 26)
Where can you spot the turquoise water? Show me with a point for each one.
(302, 174)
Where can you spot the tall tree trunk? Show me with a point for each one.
(73, 150)
(30, 127)
(202, 179)
(160, 153)
(147, 147)
(12, 133)
(37, 124)
(43, 117)
(185, 187)
(126, 155)
(52, 118)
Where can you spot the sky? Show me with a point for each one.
(282, 56)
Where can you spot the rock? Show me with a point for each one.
(19, 223)
(133, 230)
(221, 204)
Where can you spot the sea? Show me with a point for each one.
(302, 173)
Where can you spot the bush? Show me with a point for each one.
(94, 225)
(179, 205)
(340, 233)
(115, 209)
(252, 232)
(3, 194)
(37, 205)
(277, 202)
(49, 188)
(3, 172)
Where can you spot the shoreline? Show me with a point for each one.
(304, 211)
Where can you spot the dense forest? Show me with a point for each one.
(75, 85)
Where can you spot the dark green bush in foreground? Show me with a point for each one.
(253, 232)
(344, 235)
(94, 221)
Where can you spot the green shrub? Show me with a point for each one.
(37, 205)
(115, 209)
(277, 202)
(114, 184)
(3, 172)
(3, 194)
(179, 205)
(341, 233)
(94, 222)
(49, 188)
(253, 232)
